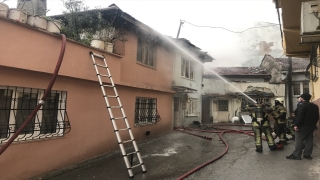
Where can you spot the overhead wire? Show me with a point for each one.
(273, 24)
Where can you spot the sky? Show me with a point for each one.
(227, 48)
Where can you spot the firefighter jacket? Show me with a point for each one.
(262, 121)
(279, 114)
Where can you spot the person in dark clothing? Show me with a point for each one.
(290, 125)
(307, 116)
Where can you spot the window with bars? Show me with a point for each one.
(296, 89)
(245, 101)
(16, 104)
(146, 53)
(264, 100)
(187, 69)
(223, 105)
(146, 111)
(193, 108)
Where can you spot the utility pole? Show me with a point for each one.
(181, 23)
(289, 85)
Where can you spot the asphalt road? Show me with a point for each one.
(174, 154)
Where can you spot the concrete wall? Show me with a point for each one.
(28, 58)
(178, 80)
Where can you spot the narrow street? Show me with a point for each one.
(174, 154)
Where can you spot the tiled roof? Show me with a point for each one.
(297, 63)
(239, 71)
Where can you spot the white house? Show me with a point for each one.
(187, 83)
(226, 99)
(223, 100)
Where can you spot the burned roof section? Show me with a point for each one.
(197, 52)
(298, 64)
(236, 71)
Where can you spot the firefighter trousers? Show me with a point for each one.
(266, 129)
(281, 133)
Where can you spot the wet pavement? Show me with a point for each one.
(172, 155)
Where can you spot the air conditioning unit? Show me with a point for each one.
(310, 22)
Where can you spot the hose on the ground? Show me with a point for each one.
(209, 162)
(218, 130)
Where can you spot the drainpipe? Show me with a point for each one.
(311, 82)
(289, 86)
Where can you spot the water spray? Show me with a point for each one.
(198, 61)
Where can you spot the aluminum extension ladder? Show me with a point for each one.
(113, 119)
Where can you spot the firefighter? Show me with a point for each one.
(279, 114)
(260, 123)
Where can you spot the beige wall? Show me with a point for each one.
(160, 76)
(316, 99)
(28, 58)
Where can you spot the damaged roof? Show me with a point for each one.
(236, 71)
(298, 64)
(204, 56)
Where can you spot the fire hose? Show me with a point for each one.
(221, 131)
(42, 101)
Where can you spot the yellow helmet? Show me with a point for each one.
(280, 100)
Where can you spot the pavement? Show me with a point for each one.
(172, 155)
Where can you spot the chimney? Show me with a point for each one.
(33, 7)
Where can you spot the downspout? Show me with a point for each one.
(42, 101)
(289, 85)
(311, 82)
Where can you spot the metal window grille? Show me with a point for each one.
(264, 100)
(16, 103)
(245, 101)
(193, 107)
(223, 105)
(146, 111)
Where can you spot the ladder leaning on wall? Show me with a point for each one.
(115, 119)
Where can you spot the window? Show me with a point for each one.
(193, 107)
(223, 105)
(264, 100)
(146, 111)
(146, 53)
(296, 89)
(245, 101)
(305, 87)
(187, 69)
(17, 103)
(299, 88)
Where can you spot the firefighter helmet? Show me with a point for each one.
(280, 100)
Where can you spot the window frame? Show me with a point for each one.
(187, 69)
(146, 112)
(61, 124)
(224, 108)
(193, 108)
(144, 51)
(301, 86)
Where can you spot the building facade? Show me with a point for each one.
(74, 123)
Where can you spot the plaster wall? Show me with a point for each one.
(28, 58)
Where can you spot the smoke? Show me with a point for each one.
(247, 49)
